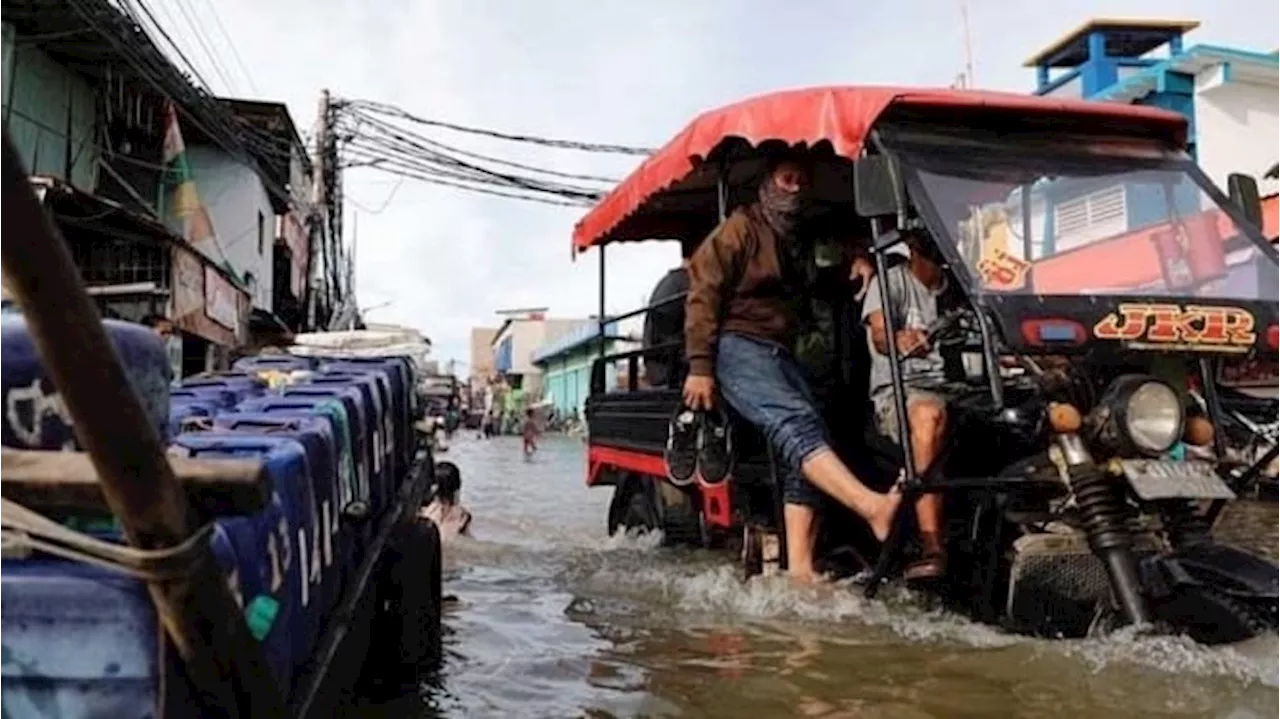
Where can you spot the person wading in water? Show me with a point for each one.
(446, 509)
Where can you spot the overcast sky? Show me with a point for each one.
(618, 71)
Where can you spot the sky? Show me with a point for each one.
(614, 71)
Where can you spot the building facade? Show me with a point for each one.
(481, 353)
(566, 363)
(93, 136)
(514, 346)
(1228, 95)
(160, 190)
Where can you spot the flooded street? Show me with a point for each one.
(554, 619)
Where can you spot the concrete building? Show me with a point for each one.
(94, 133)
(515, 343)
(259, 206)
(481, 359)
(1229, 95)
(566, 363)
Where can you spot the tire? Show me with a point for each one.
(405, 630)
(681, 518)
(632, 508)
(1211, 617)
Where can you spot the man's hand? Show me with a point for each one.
(861, 274)
(699, 392)
(912, 343)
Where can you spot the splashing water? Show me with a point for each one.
(555, 619)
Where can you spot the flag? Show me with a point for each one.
(179, 200)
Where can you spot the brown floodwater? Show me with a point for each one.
(555, 619)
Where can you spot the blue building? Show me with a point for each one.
(1229, 95)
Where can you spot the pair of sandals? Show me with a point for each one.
(699, 447)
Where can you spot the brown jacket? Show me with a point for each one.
(736, 284)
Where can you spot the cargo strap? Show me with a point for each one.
(23, 530)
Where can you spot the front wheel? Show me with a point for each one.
(1211, 617)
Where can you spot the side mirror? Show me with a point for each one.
(878, 189)
(1243, 190)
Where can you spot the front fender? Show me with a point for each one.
(1220, 567)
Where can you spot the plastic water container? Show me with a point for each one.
(378, 414)
(359, 419)
(403, 444)
(78, 641)
(220, 397)
(248, 549)
(317, 436)
(183, 410)
(34, 416)
(291, 569)
(353, 538)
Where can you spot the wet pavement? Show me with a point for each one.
(555, 619)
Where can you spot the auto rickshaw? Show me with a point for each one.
(1103, 281)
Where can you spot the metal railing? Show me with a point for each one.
(670, 354)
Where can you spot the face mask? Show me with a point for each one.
(780, 207)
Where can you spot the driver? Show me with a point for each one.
(915, 288)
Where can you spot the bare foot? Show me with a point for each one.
(881, 519)
(803, 577)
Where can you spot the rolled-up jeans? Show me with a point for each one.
(764, 383)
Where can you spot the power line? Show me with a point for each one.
(371, 137)
(199, 106)
(214, 60)
(403, 148)
(392, 110)
(498, 161)
(235, 54)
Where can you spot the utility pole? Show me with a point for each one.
(351, 266)
(968, 45)
(321, 300)
(334, 277)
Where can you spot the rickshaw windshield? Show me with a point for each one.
(1084, 221)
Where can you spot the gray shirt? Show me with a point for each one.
(913, 307)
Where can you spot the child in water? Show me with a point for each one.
(445, 509)
(529, 431)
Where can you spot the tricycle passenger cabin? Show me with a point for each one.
(1062, 229)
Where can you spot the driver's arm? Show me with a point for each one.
(710, 269)
(873, 317)
(909, 341)
(879, 333)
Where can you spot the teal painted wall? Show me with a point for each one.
(50, 113)
(567, 378)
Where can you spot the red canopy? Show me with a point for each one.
(841, 116)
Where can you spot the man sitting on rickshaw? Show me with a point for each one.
(741, 316)
(914, 290)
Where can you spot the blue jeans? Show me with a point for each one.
(763, 382)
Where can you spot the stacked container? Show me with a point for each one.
(336, 440)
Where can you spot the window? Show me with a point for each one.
(262, 234)
(1092, 217)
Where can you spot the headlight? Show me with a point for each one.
(1153, 417)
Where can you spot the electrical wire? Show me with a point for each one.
(231, 45)
(393, 111)
(388, 139)
(391, 151)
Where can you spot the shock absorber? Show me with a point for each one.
(1106, 524)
